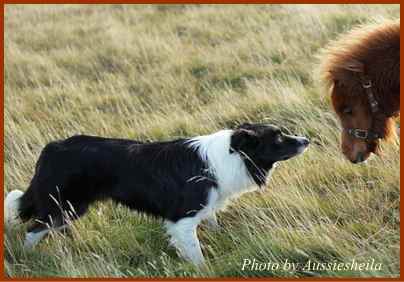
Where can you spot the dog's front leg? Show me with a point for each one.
(184, 238)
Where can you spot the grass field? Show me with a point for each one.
(160, 72)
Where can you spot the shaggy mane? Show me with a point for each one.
(359, 45)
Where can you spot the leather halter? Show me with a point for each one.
(374, 108)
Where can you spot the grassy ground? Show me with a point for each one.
(161, 72)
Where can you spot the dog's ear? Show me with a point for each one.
(242, 140)
(244, 125)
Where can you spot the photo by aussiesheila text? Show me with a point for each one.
(287, 265)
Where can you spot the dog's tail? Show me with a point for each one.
(18, 207)
(12, 205)
(21, 206)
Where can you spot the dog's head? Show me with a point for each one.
(265, 144)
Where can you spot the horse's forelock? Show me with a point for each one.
(352, 50)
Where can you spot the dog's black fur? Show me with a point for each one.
(149, 177)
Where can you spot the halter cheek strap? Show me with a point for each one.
(374, 108)
(367, 85)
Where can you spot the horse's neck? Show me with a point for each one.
(391, 103)
(388, 90)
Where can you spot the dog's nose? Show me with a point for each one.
(305, 141)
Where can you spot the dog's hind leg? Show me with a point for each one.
(32, 238)
(54, 218)
(39, 230)
(184, 238)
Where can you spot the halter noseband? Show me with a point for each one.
(374, 108)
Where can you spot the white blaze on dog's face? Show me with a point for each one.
(266, 144)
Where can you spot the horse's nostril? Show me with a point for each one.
(360, 158)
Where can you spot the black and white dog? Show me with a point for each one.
(183, 181)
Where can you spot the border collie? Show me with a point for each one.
(183, 181)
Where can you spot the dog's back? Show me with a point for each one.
(71, 174)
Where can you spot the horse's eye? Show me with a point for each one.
(347, 111)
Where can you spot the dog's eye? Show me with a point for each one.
(278, 138)
(347, 111)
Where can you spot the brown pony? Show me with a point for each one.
(362, 72)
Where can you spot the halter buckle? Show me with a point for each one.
(358, 133)
(374, 106)
(367, 84)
